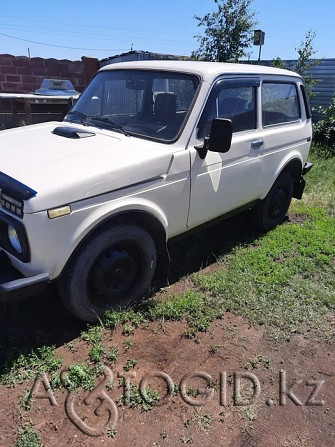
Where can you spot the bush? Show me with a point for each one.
(324, 130)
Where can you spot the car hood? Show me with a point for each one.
(63, 170)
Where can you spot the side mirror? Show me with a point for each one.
(219, 139)
(220, 135)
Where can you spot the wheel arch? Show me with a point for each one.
(145, 219)
(293, 164)
(294, 168)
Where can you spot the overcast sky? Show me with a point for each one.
(103, 28)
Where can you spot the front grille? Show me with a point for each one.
(13, 205)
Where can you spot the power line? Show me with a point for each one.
(62, 46)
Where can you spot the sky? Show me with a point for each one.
(102, 28)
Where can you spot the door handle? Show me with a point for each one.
(257, 144)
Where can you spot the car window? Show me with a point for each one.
(280, 103)
(146, 103)
(234, 102)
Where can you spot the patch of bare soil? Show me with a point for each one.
(294, 405)
(298, 219)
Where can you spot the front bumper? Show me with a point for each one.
(13, 285)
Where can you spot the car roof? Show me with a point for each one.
(207, 70)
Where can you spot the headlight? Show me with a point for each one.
(14, 239)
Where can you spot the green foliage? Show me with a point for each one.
(258, 360)
(278, 63)
(324, 130)
(127, 344)
(79, 375)
(28, 437)
(96, 353)
(228, 31)
(113, 354)
(27, 366)
(130, 364)
(320, 185)
(137, 399)
(198, 310)
(305, 62)
(92, 335)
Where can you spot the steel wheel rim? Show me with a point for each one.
(278, 202)
(114, 274)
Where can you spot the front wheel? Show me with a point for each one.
(271, 211)
(112, 269)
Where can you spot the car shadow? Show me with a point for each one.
(43, 321)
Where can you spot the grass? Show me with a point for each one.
(27, 366)
(136, 398)
(201, 420)
(130, 364)
(320, 187)
(284, 279)
(80, 375)
(113, 354)
(28, 437)
(254, 362)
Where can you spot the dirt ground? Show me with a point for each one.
(253, 391)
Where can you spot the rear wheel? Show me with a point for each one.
(113, 269)
(271, 211)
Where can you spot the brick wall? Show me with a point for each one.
(19, 74)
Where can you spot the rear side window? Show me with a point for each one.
(280, 103)
(235, 100)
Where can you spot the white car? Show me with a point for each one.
(151, 150)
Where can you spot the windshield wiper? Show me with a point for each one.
(82, 117)
(104, 119)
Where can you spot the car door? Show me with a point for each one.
(222, 182)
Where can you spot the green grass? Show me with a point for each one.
(28, 437)
(27, 366)
(320, 181)
(113, 354)
(80, 375)
(130, 364)
(285, 279)
(136, 398)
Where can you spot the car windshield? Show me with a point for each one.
(145, 103)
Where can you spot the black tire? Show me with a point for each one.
(114, 268)
(271, 211)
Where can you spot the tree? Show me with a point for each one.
(278, 63)
(228, 31)
(304, 62)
